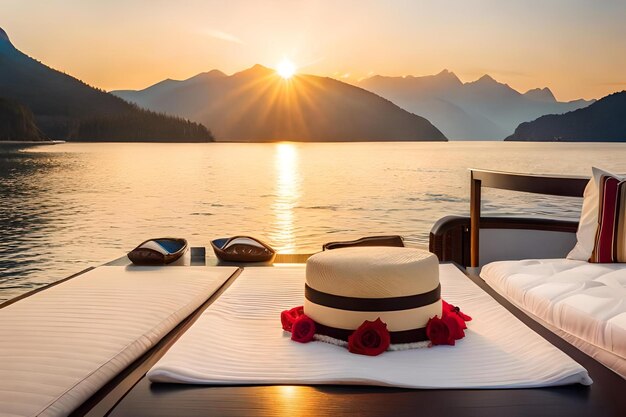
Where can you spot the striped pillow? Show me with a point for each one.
(610, 242)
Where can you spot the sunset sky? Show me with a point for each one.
(575, 47)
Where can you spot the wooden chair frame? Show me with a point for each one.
(538, 184)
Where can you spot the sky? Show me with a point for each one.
(575, 47)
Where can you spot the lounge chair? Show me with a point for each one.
(524, 260)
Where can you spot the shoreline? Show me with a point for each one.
(31, 142)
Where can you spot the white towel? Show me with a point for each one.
(239, 340)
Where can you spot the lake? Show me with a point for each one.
(69, 206)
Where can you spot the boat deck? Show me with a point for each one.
(132, 394)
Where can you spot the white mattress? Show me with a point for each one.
(584, 300)
(239, 340)
(58, 347)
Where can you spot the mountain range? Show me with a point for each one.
(603, 121)
(484, 109)
(258, 105)
(65, 108)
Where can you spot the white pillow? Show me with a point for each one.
(588, 225)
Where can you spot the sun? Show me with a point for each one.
(286, 69)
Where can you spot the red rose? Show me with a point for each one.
(371, 338)
(303, 329)
(438, 332)
(288, 317)
(455, 328)
(449, 309)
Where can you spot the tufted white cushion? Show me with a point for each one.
(585, 300)
(59, 346)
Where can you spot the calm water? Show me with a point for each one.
(65, 207)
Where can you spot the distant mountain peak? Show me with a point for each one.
(3, 36)
(255, 71)
(450, 76)
(258, 68)
(444, 77)
(488, 83)
(540, 94)
(213, 74)
(486, 79)
(216, 73)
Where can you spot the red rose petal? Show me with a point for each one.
(286, 320)
(464, 316)
(288, 317)
(297, 311)
(456, 331)
(456, 317)
(438, 332)
(303, 329)
(450, 309)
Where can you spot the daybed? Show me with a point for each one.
(524, 260)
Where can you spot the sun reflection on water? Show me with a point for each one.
(287, 191)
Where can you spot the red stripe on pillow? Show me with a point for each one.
(619, 240)
(610, 229)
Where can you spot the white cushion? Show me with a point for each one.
(584, 299)
(60, 346)
(588, 225)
